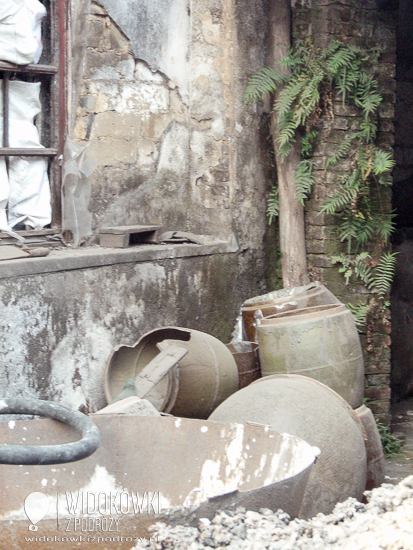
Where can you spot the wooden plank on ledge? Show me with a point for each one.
(128, 235)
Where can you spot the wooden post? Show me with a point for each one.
(291, 214)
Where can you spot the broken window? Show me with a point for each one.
(32, 40)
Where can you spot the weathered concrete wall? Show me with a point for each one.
(156, 91)
(59, 328)
(361, 24)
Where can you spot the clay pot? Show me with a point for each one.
(321, 342)
(310, 410)
(374, 448)
(248, 364)
(281, 301)
(205, 377)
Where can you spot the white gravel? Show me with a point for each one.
(384, 523)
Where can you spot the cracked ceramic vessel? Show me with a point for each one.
(205, 377)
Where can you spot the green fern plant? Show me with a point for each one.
(377, 278)
(273, 205)
(392, 445)
(360, 312)
(304, 97)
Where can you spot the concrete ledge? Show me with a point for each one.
(85, 258)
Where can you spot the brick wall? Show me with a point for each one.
(361, 24)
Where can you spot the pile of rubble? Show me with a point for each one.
(385, 523)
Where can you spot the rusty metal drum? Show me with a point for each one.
(247, 361)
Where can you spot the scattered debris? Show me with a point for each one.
(247, 360)
(180, 237)
(132, 405)
(205, 376)
(385, 522)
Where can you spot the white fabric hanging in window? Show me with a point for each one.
(20, 31)
(27, 184)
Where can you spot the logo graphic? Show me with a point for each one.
(36, 507)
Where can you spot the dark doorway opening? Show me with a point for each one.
(402, 288)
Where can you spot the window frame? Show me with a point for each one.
(51, 76)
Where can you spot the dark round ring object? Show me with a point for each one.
(33, 455)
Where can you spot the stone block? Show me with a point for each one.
(387, 85)
(345, 110)
(385, 139)
(318, 232)
(377, 365)
(339, 123)
(111, 124)
(113, 152)
(101, 104)
(314, 217)
(314, 246)
(154, 126)
(326, 192)
(108, 65)
(87, 103)
(319, 260)
(378, 380)
(386, 126)
(388, 70)
(380, 407)
(386, 111)
(96, 37)
(377, 393)
(118, 41)
(79, 132)
(143, 98)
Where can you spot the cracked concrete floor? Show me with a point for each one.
(402, 426)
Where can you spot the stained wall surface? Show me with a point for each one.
(156, 93)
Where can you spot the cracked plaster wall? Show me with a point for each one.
(156, 92)
(161, 108)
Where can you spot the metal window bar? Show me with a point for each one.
(6, 86)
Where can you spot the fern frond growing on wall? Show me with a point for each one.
(304, 98)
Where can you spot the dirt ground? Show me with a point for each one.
(402, 425)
